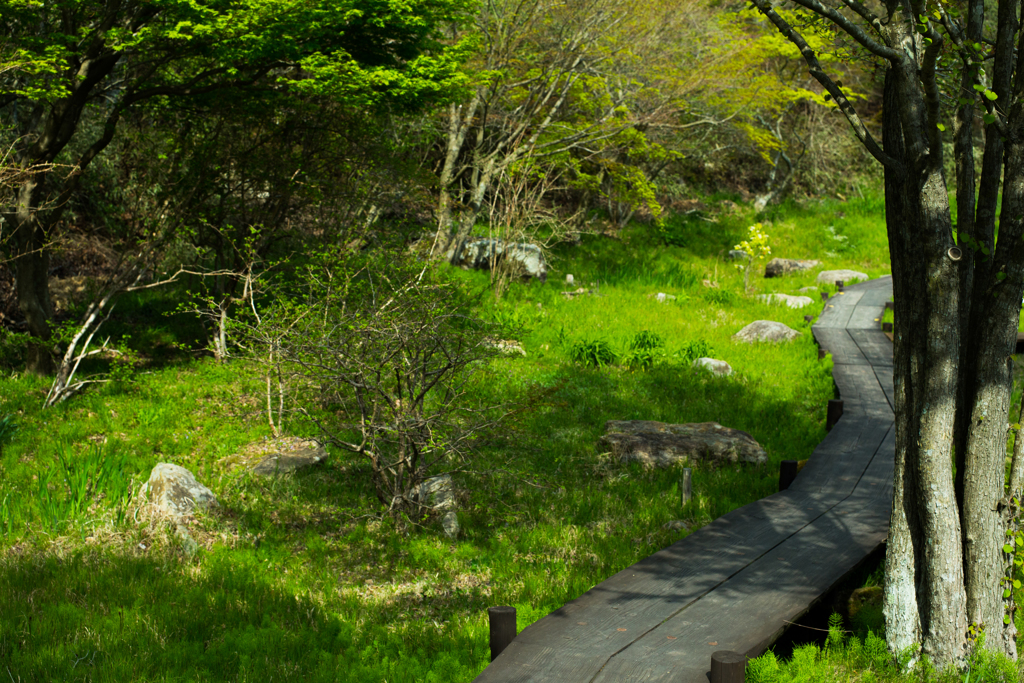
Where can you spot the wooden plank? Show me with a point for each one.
(860, 391)
(840, 461)
(873, 345)
(834, 315)
(866, 318)
(838, 342)
(876, 297)
(650, 591)
(884, 373)
(847, 298)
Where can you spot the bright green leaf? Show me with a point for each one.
(940, 126)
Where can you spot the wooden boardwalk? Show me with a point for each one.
(735, 583)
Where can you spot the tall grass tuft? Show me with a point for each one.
(592, 352)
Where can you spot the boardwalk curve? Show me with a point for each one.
(733, 584)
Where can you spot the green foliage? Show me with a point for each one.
(13, 346)
(8, 430)
(757, 249)
(592, 352)
(694, 349)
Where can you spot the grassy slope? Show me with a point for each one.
(328, 589)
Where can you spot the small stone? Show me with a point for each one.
(568, 279)
(807, 290)
(791, 301)
(677, 524)
(719, 368)
(766, 330)
(737, 255)
(829, 277)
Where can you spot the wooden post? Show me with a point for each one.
(728, 667)
(787, 473)
(835, 411)
(886, 327)
(821, 354)
(839, 284)
(685, 488)
(888, 306)
(503, 628)
(824, 296)
(808, 318)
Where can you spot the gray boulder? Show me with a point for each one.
(663, 445)
(438, 494)
(737, 255)
(719, 368)
(778, 267)
(807, 290)
(791, 301)
(765, 330)
(172, 491)
(829, 277)
(482, 254)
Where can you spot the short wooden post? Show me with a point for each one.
(808, 318)
(824, 296)
(728, 667)
(835, 411)
(888, 306)
(787, 473)
(839, 284)
(685, 487)
(503, 628)
(821, 354)
(886, 327)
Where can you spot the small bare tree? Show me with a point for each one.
(380, 358)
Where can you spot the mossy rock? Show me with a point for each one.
(276, 456)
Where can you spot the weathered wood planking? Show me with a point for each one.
(838, 342)
(734, 583)
(873, 346)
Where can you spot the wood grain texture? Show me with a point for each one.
(734, 584)
(838, 342)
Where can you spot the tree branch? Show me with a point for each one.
(814, 67)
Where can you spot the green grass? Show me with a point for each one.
(93, 589)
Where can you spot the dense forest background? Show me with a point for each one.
(144, 140)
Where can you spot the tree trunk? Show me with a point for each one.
(31, 264)
(925, 600)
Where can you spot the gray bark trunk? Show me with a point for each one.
(925, 600)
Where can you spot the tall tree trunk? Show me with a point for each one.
(31, 265)
(925, 600)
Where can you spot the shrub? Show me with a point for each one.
(596, 353)
(694, 349)
(642, 353)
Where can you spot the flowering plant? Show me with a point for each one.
(756, 248)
